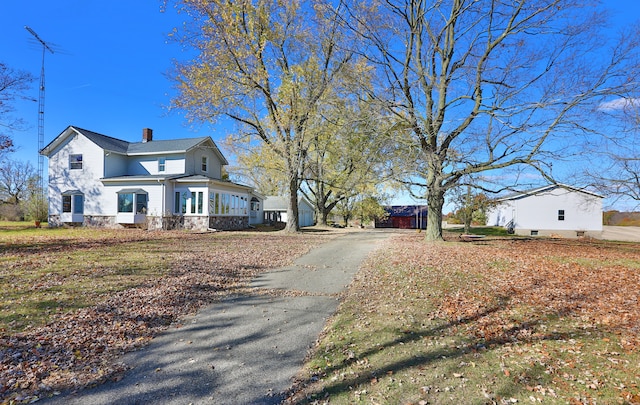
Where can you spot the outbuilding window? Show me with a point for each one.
(560, 215)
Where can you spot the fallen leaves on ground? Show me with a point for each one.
(511, 320)
(77, 348)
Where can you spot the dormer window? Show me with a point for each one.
(75, 161)
(161, 164)
(204, 164)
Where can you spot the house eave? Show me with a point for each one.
(539, 190)
(168, 152)
(133, 178)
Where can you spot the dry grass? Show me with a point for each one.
(499, 321)
(75, 299)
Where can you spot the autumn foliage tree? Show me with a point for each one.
(471, 207)
(346, 155)
(478, 86)
(266, 65)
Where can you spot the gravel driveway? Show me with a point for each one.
(622, 233)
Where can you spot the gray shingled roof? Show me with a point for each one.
(134, 148)
(105, 142)
(171, 145)
(115, 145)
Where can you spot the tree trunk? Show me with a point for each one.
(292, 208)
(321, 202)
(324, 216)
(467, 225)
(435, 202)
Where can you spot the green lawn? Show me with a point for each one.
(480, 230)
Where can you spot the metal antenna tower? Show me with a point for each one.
(45, 47)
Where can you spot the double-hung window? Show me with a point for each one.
(162, 164)
(75, 162)
(205, 165)
(560, 215)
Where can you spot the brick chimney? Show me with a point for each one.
(147, 134)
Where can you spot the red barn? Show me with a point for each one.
(404, 217)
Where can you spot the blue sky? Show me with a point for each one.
(109, 71)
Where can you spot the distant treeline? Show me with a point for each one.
(617, 218)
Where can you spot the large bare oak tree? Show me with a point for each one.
(479, 86)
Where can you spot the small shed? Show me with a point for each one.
(404, 217)
(275, 210)
(553, 210)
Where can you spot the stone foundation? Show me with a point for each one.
(228, 223)
(569, 234)
(195, 223)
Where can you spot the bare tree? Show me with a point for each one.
(13, 83)
(15, 178)
(618, 174)
(614, 170)
(478, 86)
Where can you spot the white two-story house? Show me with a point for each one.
(97, 180)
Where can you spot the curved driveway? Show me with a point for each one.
(242, 350)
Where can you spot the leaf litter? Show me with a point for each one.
(544, 320)
(77, 348)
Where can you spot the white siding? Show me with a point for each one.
(62, 178)
(305, 213)
(115, 165)
(582, 211)
(501, 214)
(194, 163)
(186, 190)
(154, 197)
(148, 165)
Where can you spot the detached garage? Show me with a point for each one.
(554, 210)
(275, 210)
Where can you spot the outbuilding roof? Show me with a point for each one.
(280, 203)
(527, 193)
(405, 210)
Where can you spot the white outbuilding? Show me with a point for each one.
(554, 210)
(275, 210)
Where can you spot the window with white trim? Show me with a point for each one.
(73, 203)
(75, 161)
(205, 164)
(228, 204)
(162, 164)
(131, 201)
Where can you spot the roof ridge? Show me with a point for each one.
(98, 133)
